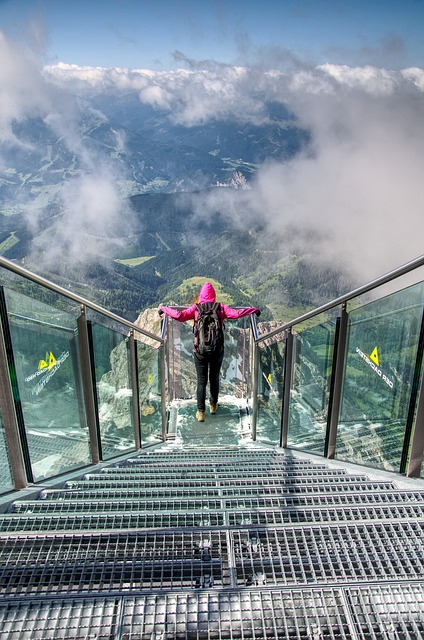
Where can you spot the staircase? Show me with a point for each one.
(213, 543)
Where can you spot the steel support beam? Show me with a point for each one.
(417, 446)
(88, 385)
(337, 383)
(413, 451)
(255, 387)
(162, 366)
(10, 418)
(135, 390)
(288, 372)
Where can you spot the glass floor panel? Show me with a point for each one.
(229, 426)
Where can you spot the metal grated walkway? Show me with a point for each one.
(215, 544)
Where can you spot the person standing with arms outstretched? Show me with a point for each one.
(208, 352)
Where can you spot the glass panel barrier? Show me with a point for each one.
(47, 370)
(229, 425)
(235, 371)
(312, 363)
(381, 354)
(236, 368)
(6, 481)
(235, 380)
(149, 383)
(114, 393)
(181, 382)
(270, 387)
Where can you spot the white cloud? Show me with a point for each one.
(415, 75)
(361, 186)
(92, 204)
(190, 97)
(368, 78)
(93, 221)
(156, 96)
(22, 88)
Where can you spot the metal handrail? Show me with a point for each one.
(25, 273)
(378, 282)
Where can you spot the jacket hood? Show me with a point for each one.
(207, 293)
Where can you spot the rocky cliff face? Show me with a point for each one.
(150, 321)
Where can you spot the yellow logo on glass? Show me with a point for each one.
(374, 357)
(48, 363)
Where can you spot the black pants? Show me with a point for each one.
(207, 367)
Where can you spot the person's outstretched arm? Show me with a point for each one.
(179, 314)
(233, 314)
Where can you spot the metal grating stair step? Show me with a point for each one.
(211, 545)
(282, 482)
(214, 491)
(363, 613)
(157, 475)
(86, 521)
(128, 504)
(136, 466)
(366, 552)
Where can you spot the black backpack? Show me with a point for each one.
(208, 330)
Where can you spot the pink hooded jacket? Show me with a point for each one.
(207, 294)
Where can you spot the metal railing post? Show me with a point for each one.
(255, 374)
(163, 391)
(417, 445)
(12, 432)
(288, 371)
(337, 383)
(162, 368)
(135, 390)
(255, 387)
(88, 386)
(415, 448)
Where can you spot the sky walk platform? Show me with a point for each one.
(214, 536)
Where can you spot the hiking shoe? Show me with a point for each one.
(200, 415)
(213, 408)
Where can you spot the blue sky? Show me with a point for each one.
(146, 34)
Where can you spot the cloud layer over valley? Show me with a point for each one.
(358, 182)
(90, 201)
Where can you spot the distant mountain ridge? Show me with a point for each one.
(145, 150)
